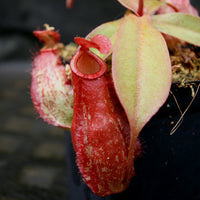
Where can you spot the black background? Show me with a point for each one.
(18, 18)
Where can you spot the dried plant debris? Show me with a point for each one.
(67, 51)
(185, 63)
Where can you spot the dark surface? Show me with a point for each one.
(33, 155)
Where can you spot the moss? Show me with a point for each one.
(185, 63)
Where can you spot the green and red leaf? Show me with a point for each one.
(141, 71)
(183, 26)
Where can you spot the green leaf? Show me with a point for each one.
(150, 6)
(108, 29)
(141, 70)
(183, 26)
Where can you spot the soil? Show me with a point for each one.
(185, 64)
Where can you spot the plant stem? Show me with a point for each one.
(173, 7)
(140, 7)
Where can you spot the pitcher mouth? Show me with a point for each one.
(87, 65)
